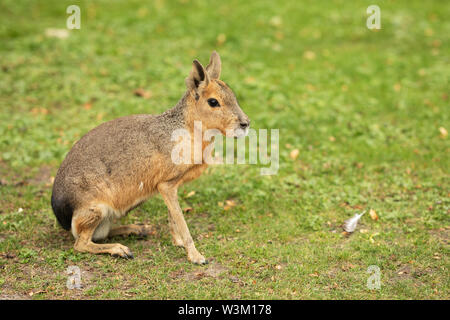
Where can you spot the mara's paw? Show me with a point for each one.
(144, 230)
(197, 258)
(121, 251)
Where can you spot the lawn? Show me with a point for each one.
(363, 118)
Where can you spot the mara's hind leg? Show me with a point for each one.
(85, 223)
(126, 230)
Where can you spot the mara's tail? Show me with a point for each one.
(63, 211)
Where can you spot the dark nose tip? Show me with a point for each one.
(244, 125)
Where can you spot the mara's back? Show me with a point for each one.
(107, 162)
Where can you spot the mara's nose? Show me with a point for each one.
(245, 124)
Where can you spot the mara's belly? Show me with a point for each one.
(126, 199)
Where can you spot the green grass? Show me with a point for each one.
(311, 69)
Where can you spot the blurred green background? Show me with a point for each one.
(367, 110)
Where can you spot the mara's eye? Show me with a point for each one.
(213, 102)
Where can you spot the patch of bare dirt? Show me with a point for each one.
(50, 283)
(10, 177)
(14, 296)
(408, 271)
(214, 270)
(43, 176)
(443, 234)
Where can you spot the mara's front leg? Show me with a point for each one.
(178, 224)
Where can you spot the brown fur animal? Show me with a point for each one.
(121, 163)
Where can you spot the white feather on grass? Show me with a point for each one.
(350, 224)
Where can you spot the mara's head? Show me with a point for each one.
(212, 102)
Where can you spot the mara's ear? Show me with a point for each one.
(197, 76)
(215, 65)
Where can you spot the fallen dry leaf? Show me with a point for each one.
(56, 33)
(142, 93)
(279, 35)
(443, 132)
(221, 38)
(294, 154)
(188, 209)
(36, 110)
(371, 237)
(276, 21)
(190, 194)
(249, 80)
(229, 204)
(428, 32)
(373, 214)
(309, 55)
(422, 72)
